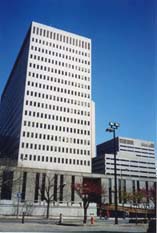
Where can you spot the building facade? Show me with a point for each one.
(47, 116)
(135, 165)
(21, 189)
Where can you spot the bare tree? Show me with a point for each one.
(152, 195)
(48, 190)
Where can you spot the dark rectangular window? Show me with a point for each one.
(43, 187)
(36, 194)
(7, 182)
(33, 29)
(72, 188)
(24, 186)
(138, 185)
(138, 189)
(147, 191)
(61, 188)
(133, 189)
(124, 190)
(120, 190)
(110, 191)
(55, 187)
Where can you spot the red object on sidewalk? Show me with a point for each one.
(108, 213)
(92, 220)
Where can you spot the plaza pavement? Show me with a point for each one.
(69, 225)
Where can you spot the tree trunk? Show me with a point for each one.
(48, 210)
(85, 216)
(136, 215)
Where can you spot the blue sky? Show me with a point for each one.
(123, 55)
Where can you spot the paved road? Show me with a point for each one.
(69, 225)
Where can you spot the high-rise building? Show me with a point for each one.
(135, 163)
(135, 158)
(47, 116)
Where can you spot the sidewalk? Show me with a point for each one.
(11, 224)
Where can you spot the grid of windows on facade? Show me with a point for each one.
(58, 108)
(82, 89)
(59, 80)
(54, 71)
(62, 56)
(56, 128)
(55, 138)
(51, 57)
(141, 152)
(129, 167)
(145, 149)
(61, 88)
(54, 148)
(50, 159)
(131, 142)
(56, 117)
(59, 37)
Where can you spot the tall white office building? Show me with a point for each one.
(47, 116)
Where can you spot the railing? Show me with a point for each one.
(131, 209)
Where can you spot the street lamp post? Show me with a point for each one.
(112, 129)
